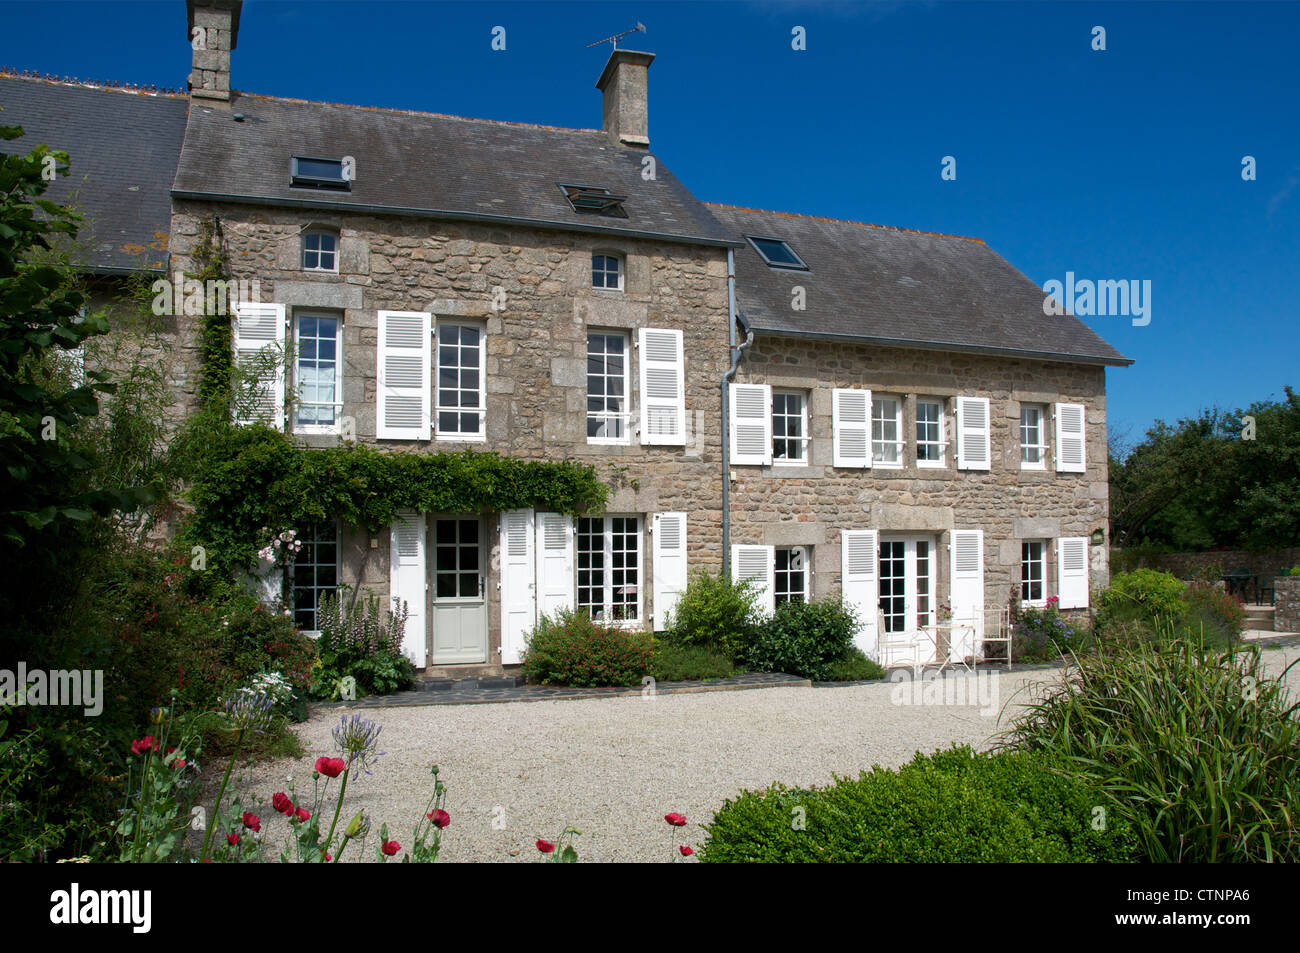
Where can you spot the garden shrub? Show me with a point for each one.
(1198, 749)
(854, 667)
(954, 806)
(715, 612)
(688, 663)
(802, 638)
(362, 639)
(1213, 612)
(571, 649)
(1040, 635)
(1157, 595)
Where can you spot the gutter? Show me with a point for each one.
(736, 352)
(405, 211)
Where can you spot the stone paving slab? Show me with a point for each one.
(469, 692)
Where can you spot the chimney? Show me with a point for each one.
(627, 101)
(213, 28)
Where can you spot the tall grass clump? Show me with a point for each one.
(1197, 747)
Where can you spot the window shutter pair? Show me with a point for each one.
(851, 426)
(407, 581)
(1072, 572)
(860, 585)
(259, 332)
(663, 387)
(1070, 438)
(756, 563)
(404, 387)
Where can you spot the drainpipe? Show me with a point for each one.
(733, 318)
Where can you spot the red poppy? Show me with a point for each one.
(144, 745)
(302, 814)
(232, 838)
(686, 851)
(675, 819)
(330, 767)
(545, 846)
(390, 847)
(252, 822)
(280, 801)
(328, 858)
(439, 817)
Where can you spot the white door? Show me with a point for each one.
(907, 608)
(460, 631)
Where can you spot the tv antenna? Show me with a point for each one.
(639, 28)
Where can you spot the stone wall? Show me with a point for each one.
(536, 347)
(789, 505)
(1264, 563)
(1286, 617)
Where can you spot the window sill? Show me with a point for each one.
(1039, 467)
(931, 465)
(877, 465)
(608, 442)
(461, 438)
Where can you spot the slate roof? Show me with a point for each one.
(900, 287)
(432, 165)
(123, 145)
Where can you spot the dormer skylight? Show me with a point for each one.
(594, 201)
(777, 253)
(309, 172)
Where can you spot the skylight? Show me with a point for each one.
(307, 172)
(594, 201)
(777, 253)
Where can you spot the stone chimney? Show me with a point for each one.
(212, 31)
(627, 100)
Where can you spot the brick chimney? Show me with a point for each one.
(219, 22)
(627, 100)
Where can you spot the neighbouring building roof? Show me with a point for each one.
(432, 166)
(123, 145)
(900, 287)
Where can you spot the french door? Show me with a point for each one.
(460, 631)
(907, 604)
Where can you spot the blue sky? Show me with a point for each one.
(1122, 164)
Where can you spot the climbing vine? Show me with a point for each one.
(217, 340)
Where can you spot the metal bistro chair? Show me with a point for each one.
(1000, 617)
(899, 648)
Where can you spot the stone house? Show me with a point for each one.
(823, 406)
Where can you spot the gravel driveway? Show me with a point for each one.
(613, 767)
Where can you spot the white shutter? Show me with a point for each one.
(259, 328)
(860, 585)
(1072, 572)
(973, 433)
(751, 424)
(851, 426)
(407, 581)
(663, 387)
(757, 563)
(966, 597)
(555, 577)
(1070, 434)
(518, 590)
(669, 556)
(404, 384)
(270, 583)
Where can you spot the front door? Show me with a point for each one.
(907, 594)
(460, 631)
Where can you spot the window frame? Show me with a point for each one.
(436, 375)
(304, 250)
(1027, 562)
(298, 426)
(298, 180)
(620, 262)
(626, 412)
(941, 442)
(308, 545)
(787, 266)
(804, 574)
(1043, 447)
(899, 442)
(607, 568)
(804, 440)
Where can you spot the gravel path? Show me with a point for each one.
(612, 767)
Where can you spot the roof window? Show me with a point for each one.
(777, 253)
(594, 201)
(308, 172)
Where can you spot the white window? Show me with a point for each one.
(606, 387)
(929, 433)
(789, 427)
(315, 573)
(461, 369)
(607, 272)
(1033, 572)
(790, 574)
(609, 568)
(886, 432)
(320, 251)
(1033, 438)
(318, 345)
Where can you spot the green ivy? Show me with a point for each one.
(218, 337)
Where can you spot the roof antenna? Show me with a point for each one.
(639, 28)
